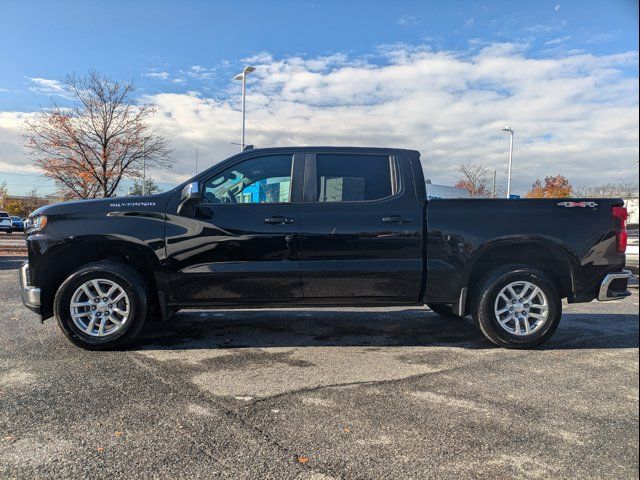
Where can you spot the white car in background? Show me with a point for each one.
(6, 224)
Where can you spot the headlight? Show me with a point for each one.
(35, 224)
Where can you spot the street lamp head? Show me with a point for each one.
(244, 73)
(507, 129)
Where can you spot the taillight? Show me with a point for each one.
(620, 214)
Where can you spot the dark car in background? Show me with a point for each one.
(17, 224)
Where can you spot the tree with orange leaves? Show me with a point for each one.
(554, 187)
(88, 147)
(474, 178)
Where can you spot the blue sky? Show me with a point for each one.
(182, 55)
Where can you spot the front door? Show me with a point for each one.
(241, 242)
(361, 231)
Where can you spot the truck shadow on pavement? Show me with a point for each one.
(405, 327)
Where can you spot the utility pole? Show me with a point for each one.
(510, 130)
(144, 172)
(196, 159)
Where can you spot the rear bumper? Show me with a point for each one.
(614, 286)
(30, 295)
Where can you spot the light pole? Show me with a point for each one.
(510, 130)
(144, 172)
(243, 76)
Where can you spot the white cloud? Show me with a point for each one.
(201, 73)
(47, 86)
(158, 75)
(408, 21)
(12, 155)
(576, 114)
(557, 41)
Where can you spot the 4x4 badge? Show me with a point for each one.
(578, 204)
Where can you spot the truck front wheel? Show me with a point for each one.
(517, 306)
(102, 305)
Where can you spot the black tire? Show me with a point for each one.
(133, 284)
(484, 299)
(443, 309)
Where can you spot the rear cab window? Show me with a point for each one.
(355, 178)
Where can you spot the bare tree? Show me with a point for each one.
(3, 193)
(148, 187)
(474, 177)
(87, 148)
(608, 190)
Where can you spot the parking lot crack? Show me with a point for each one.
(188, 391)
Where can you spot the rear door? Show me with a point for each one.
(361, 229)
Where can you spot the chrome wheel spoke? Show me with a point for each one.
(516, 326)
(86, 292)
(119, 297)
(91, 325)
(113, 288)
(533, 294)
(81, 304)
(96, 285)
(103, 321)
(113, 320)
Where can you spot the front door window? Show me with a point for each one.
(258, 180)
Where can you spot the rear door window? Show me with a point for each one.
(353, 178)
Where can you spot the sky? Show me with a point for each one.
(440, 77)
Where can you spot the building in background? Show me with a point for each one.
(444, 191)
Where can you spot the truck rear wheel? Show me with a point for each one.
(517, 306)
(102, 305)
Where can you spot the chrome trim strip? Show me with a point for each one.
(458, 309)
(30, 295)
(603, 294)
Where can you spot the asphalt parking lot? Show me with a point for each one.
(318, 394)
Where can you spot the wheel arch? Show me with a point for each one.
(547, 255)
(66, 258)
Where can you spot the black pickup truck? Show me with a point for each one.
(320, 226)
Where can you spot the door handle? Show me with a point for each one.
(278, 220)
(397, 219)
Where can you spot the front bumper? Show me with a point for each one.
(614, 286)
(30, 295)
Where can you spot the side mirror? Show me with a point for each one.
(190, 196)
